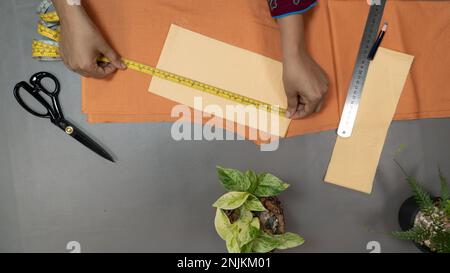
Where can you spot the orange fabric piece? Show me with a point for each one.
(137, 30)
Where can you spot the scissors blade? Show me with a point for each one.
(77, 134)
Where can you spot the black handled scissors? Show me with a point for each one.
(36, 89)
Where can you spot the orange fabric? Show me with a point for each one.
(137, 29)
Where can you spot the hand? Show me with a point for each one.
(305, 85)
(305, 82)
(81, 44)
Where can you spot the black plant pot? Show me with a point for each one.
(406, 217)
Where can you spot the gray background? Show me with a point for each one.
(158, 197)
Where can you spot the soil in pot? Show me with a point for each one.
(272, 220)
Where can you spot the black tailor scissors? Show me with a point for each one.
(36, 89)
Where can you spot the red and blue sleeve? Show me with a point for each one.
(281, 8)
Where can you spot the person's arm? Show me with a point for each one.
(305, 82)
(81, 43)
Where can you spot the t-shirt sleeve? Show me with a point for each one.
(281, 8)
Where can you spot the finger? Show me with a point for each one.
(300, 109)
(103, 71)
(95, 71)
(82, 73)
(112, 55)
(293, 101)
(310, 107)
(79, 71)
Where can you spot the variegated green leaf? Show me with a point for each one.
(222, 224)
(231, 200)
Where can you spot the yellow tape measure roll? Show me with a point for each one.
(42, 50)
(41, 44)
(49, 17)
(48, 33)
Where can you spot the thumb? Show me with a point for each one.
(112, 55)
(292, 101)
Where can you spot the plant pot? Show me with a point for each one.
(407, 216)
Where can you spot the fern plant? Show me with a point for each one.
(432, 225)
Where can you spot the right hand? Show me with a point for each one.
(81, 44)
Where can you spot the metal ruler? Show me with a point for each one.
(44, 49)
(360, 71)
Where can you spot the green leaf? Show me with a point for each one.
(245, 216)
(256, 224)
(264, 243)
(232, 242)
(289, 240)
(447, 208)
(233, 180)
(269, 185)
(253, 230)
(233, 245)
(441, 242)
(248, 232)
(445, 194)
(247, 248)
(222, 224)
(416, 234)
(400, 149)
(253, 179)
(247, 227)
(244, 236)
(423, 198)
(253, 204)
(231, 200)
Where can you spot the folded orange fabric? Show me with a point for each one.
(137, 29)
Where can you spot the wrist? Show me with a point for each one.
(66, 12)
(292, 37)
(294, 53)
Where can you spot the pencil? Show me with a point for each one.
(378, 41)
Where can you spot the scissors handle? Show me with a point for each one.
(35, 88)
(37, 79)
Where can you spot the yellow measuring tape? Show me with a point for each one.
(48, 32)
(41, 49)
(49, 17)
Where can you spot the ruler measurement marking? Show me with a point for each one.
(360, 72)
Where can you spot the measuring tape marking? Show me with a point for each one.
(48, 33)
(49, 17)
(44, 44)
(40, 50)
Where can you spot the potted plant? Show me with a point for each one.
(249, 217)
(425, 220)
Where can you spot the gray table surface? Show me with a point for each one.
(158, 197)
